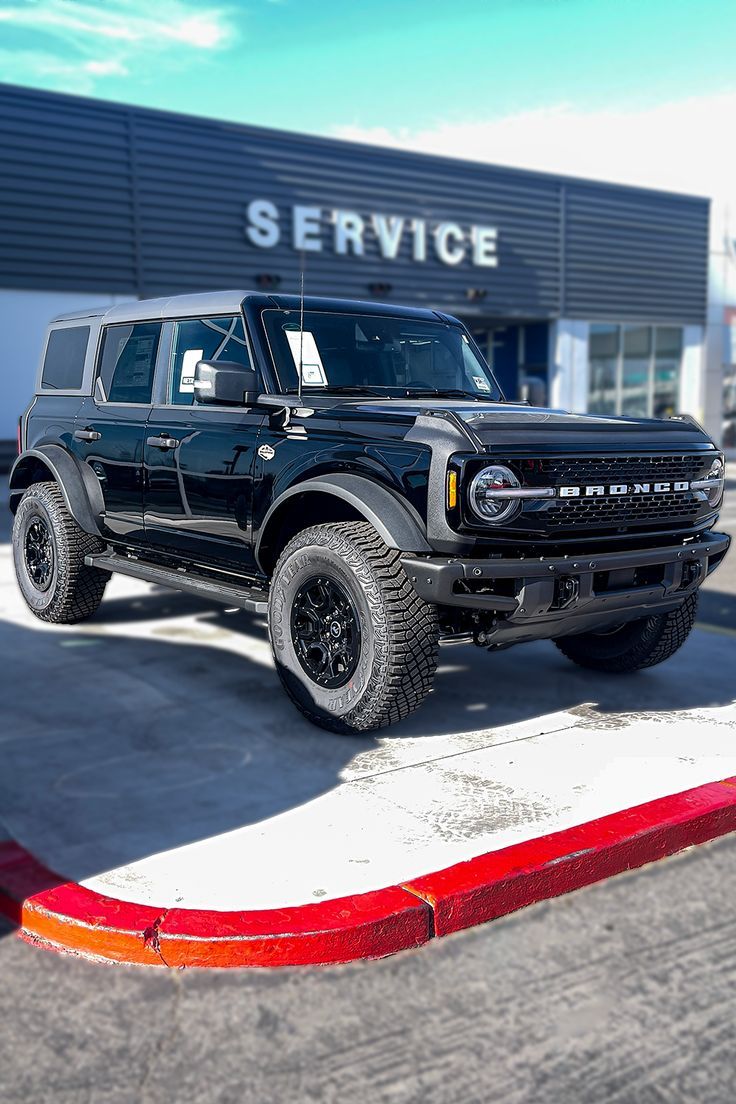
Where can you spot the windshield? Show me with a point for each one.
(376, 355)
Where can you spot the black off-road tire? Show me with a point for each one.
(398, 632)
(635, 645)
(74, 591)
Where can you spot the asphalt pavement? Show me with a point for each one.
(619, 992)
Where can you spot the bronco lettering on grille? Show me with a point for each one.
(602, 490)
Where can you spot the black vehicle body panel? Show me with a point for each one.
(198, 497)
(116, 458)
(232, 481)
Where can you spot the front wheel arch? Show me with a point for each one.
(341, 496)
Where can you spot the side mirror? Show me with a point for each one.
(534, 391)
(225, 382)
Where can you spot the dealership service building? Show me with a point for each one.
(591, 295)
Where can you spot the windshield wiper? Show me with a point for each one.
(339, 389)
(449, 392)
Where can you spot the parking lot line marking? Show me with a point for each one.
(706, 626)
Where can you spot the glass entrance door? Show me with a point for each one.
(634, 370)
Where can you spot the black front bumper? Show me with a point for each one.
(555, 595)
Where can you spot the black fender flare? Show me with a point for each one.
(396, 520)
(77, 482)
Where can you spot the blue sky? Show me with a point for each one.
(640, 90)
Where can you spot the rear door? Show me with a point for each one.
(111, 423)
(199, 458)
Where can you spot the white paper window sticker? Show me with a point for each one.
(481, 383)
(188, 364)
(301, 342)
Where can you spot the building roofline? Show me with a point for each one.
(365, 147)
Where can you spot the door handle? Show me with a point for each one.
(86, 435)
(162, 442)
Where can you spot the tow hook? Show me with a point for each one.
(567, 590)
(691, 573)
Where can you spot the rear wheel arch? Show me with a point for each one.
(77, 483)
(335, 498)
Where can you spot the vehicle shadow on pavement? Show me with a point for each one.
(717, 607)
(121, 742)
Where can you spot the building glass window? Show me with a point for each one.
(634, 370)
(667, 361)
(603, 352)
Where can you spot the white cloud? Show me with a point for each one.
(127, 20)
(71, 36)
(684, 145)
(109, 68)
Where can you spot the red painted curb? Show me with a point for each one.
(68, 917)
(503, 881)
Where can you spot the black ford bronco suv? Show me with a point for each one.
(353, 471)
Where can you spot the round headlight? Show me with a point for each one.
(717, 471)
(487, 498)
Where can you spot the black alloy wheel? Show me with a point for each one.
(38, 550)
(325, 631)
(355, 647)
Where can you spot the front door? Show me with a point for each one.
(199, 459)
(110, 425)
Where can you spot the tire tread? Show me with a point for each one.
(79, 588)
(411, 624)
(658, 638)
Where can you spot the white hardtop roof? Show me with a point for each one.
(200, 305)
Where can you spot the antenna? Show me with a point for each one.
(301, 329)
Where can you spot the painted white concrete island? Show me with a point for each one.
(155, 759)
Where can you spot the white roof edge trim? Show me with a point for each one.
(200, 304)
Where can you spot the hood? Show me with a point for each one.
(501, 427)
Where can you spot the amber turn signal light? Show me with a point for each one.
(451, 490)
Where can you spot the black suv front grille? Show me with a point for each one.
(678, 509)
(623, 469)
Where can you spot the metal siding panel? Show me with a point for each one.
(636, 257)
(186, 214)
(66, 216)
(129, 199)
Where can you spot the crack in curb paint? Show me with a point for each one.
(151, 937)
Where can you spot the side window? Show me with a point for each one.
(127, 361)
(203, 339)
(63, 365)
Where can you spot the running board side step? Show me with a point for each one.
(253, 599)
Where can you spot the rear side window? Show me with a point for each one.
(203, 339)
(63, 365)
(127, 362)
